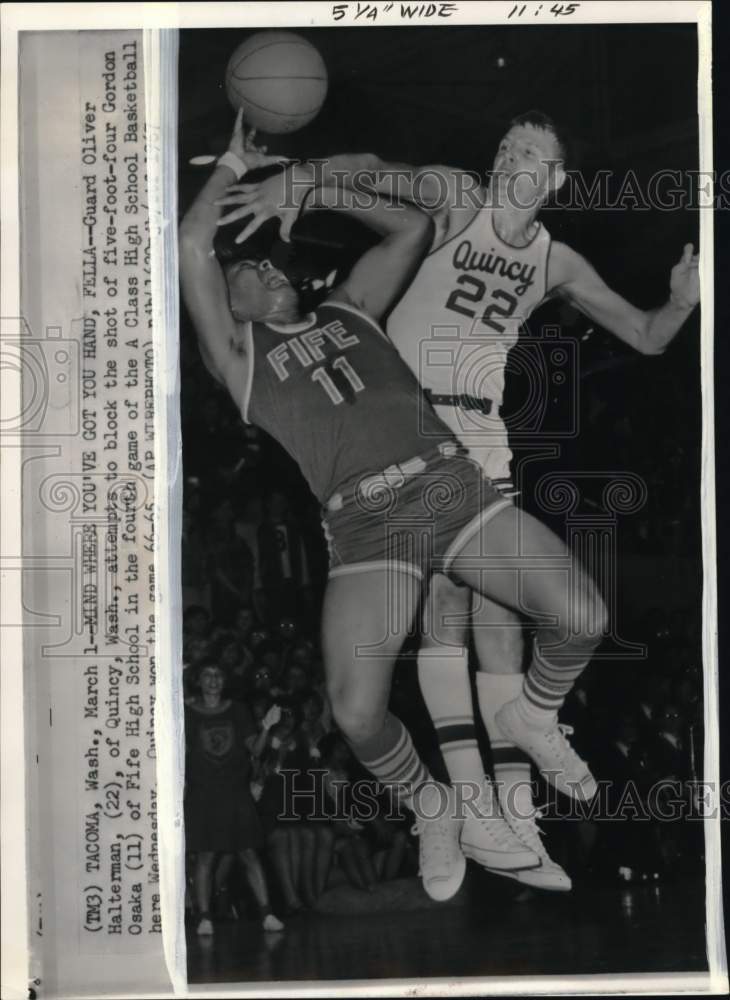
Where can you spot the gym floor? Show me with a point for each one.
(494, 930)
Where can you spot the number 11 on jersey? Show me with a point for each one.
(322, 376)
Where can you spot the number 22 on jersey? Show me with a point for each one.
(473, 290)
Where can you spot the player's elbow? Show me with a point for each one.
(652, 349)
(190, 242)
(644, 342)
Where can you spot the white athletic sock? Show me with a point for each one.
(444, 678)
(511, 766)
(535, 715)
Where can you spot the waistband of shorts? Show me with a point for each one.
(394, 476)
(484, 405)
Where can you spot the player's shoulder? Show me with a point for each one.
(462, 197)
(442, 188)
(349, 310)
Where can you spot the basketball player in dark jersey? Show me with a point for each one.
(490, 264)
(400, 500)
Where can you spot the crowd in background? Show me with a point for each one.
(254, 568)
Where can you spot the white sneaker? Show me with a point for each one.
(442, 865)
(272, 923)
(487, 839)
(548, 747)
(548, 875)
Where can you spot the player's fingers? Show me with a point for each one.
(243, 188)
(286, 228)
(238, 198)
(270, 161)
(257, 221)
(239, 213)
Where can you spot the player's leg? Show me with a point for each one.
(443, 674)
(516, 560)
(366, 617)
(499, 646)
(443, 663)
(498, 641)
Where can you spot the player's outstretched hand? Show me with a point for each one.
(274, 197)
(684, 286)
(243, 146)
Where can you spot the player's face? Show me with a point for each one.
(257, 289)
(525, 164)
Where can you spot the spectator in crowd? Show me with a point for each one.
(244, 624)
(284, 566)
(232, 565)
(313, 727)
(196, 621)
(248, 526)
(285, 836)
(237, 661)
(195, 566)
(671, 756)
(220, 815)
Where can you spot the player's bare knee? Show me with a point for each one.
(500, 649)
(590, 620)
(355, 723)
(446, 613)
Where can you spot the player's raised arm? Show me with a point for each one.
(379, 277)
(202, 280)
(448, 194)
(436, 188)
(648, 331)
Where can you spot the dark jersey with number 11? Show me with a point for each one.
(335, 393)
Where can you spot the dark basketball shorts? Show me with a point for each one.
(414, 517)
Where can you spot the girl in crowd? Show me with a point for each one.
(220, 815)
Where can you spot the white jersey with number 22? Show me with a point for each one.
(460, 317)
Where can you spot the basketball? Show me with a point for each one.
(279, 78)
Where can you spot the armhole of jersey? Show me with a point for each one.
(357, 312)
(246, 398)
(547, 262)
(457, 234)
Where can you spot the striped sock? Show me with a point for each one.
(392, 758)
(547, 683)
(444, 680)
(511, 765)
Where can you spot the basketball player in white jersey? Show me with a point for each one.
(491, 264)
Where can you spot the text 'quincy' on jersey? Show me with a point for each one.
(517, 274)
